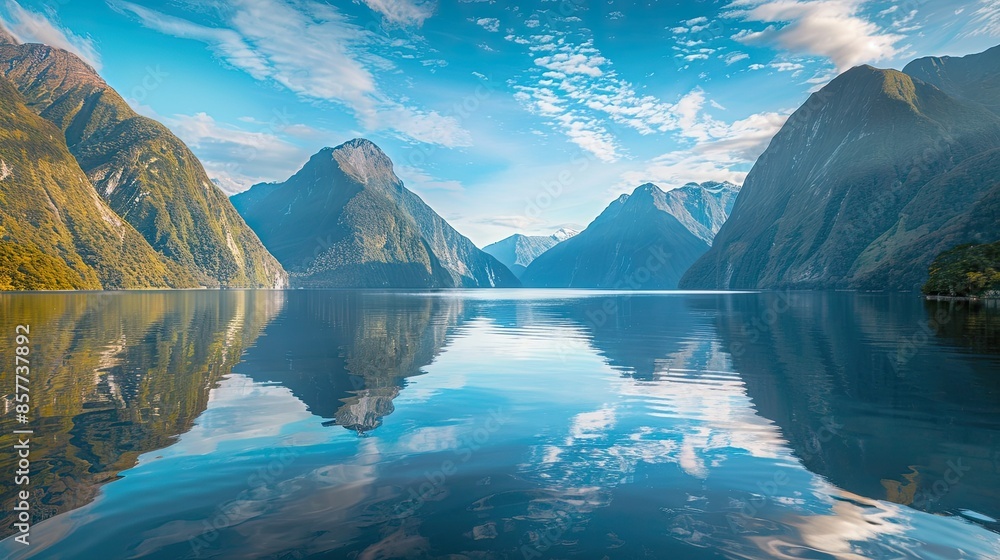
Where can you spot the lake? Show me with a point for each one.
(506, 424)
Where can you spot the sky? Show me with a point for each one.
(506, 117)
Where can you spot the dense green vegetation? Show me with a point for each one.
(55, 231)
(967, 271)
(144, 173)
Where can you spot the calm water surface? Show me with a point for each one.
(507, 424)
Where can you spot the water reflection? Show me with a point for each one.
(573, 424)
(114, 376)
(871, 401)
(346, 355)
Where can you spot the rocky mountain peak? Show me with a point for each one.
(563, 234)
(363, 160)
(647, 188)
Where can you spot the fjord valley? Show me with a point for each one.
(488, 280)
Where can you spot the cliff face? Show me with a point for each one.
(861, 188)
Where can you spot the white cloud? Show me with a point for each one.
(722, 151)
(490, 24)
(733, 58)
(834, 29)
(403, 12)
(573, 63)
(312, 50)
(237, 158)
(786, 66)
(32, 27)
(419, 181)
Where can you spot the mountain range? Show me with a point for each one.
(875, 175)
(139, 178)
(346, 220)
(645, 240)
(517, 251)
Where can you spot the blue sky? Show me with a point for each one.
(504, 116)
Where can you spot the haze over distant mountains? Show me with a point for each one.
(113, 196)
(645, 240)
(517, 251)
(346, 220)
(866, 183)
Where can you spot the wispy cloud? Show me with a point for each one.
(311, 49)
(403, 12)
(834, 29)
(986, 19)
(721, 152)
(421, 181)
(238, 158)
(33, 27)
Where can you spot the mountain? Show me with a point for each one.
(863, 186)
(702, 208)
(975, 77)
(147, 176)
(636, 243)
(56, 233)
(346, 220)
(517, 251)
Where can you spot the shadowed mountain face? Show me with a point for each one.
(142, 171)
(974, 78)
(866, 183)
(636, 243)
(347, 355)
(56, 233)
(517, 251)
(346, 220)
(115, 375)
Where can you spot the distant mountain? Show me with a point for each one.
(346, 220)
(145, 174)
(702, 208)
(517, 251)
(56, 233)
(867, 182)
(636, 243)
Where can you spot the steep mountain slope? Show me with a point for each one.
(975, 77)
(856, 189)
(346, 220)
(55, 232)
(636, 243)
(517, 251)
(144, 172)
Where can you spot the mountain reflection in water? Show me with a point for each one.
(524, 424)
